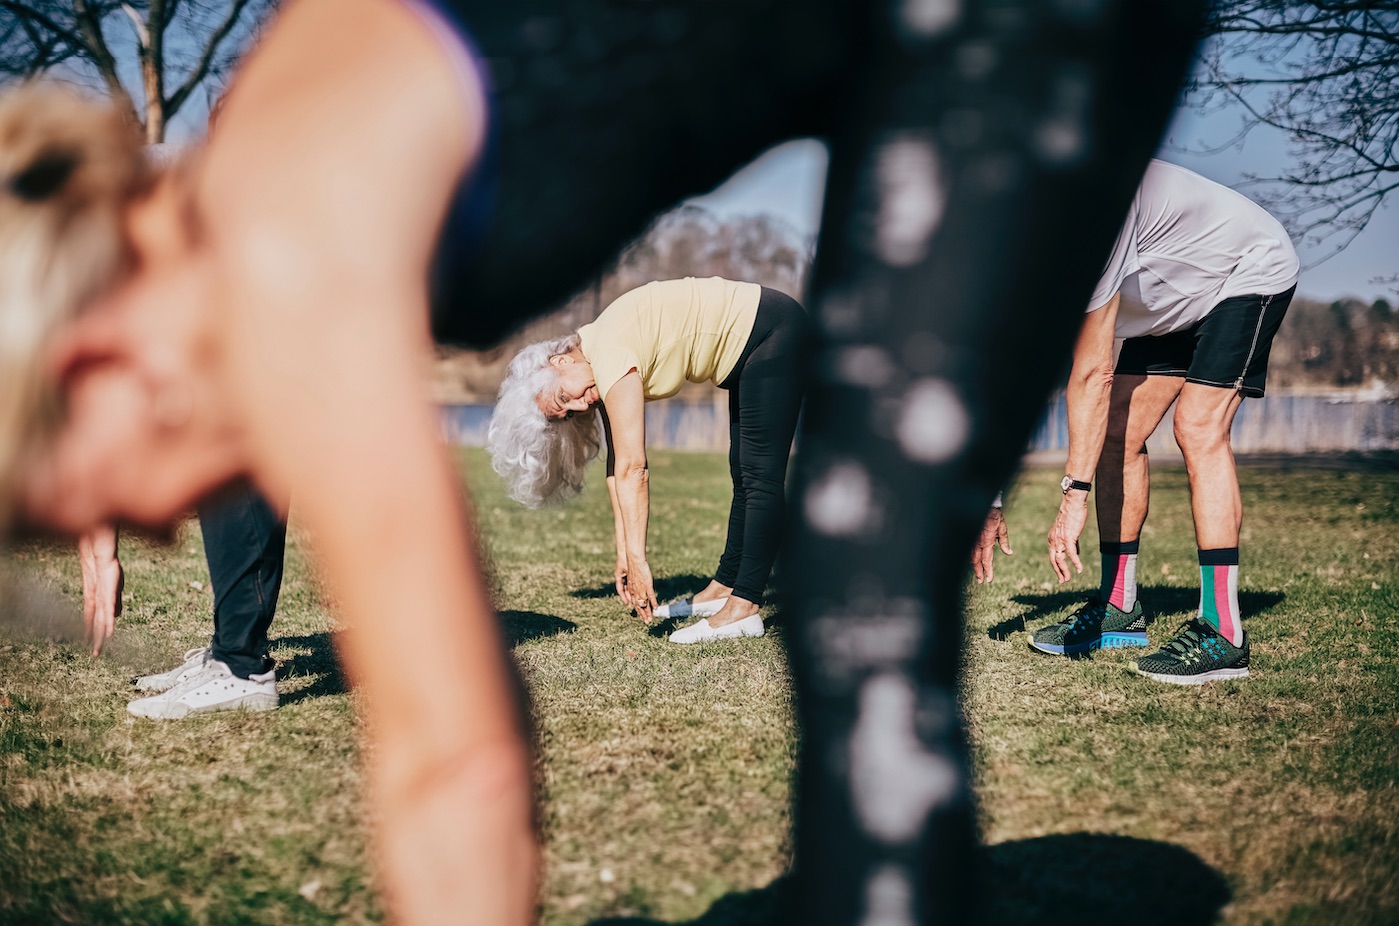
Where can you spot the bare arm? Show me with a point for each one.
(1089, 394)
(619, 531)
(321, 195)
(626, 409)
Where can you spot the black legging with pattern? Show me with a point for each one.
(982, 157)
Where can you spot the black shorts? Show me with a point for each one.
(1227, 348)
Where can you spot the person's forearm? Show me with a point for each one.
(619, 529)
(634, 499)
(1088, 396)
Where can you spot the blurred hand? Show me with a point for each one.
(103, 579)
(641, 588)
(1063, 536)
(994, 533)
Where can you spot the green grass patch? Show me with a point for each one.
(666, 770)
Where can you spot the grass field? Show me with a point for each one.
(1105, 798)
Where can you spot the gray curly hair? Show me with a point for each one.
(541, 460)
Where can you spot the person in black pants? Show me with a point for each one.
(982, 157)
(244, 544)
(747, 339)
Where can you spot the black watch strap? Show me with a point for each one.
(1070, 483)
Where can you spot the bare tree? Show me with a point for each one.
(1325, 73)
(167, 48)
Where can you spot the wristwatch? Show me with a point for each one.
(1069, 482)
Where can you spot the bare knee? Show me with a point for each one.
(1199, 431)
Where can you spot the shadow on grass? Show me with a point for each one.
(523, 626)
(1161, 602)
(314, 653)
(667, 589)
(1084, 879)
(1091, 878)
(314, 658)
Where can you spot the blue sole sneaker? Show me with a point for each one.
(1096, 625)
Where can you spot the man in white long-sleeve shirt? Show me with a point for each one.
(1197, 285)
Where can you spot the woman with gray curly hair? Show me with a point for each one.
(745, 338)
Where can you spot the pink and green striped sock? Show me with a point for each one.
(1219, 593)
(1119, 584)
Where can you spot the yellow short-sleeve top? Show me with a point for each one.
(671, 331)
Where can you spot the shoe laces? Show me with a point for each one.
(1091, 611)
(1193, 636)
(210, 669)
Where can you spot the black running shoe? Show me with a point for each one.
(1198, 654)
(1095, 625)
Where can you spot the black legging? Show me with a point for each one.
(982, 159)
(765, 397)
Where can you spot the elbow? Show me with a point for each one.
(1093, 378)
(632, 470)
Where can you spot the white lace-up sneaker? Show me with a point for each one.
(690, 608)
(701, 632)
(210, 688)
(164, 681)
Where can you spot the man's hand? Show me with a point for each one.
(1063, 536)
(102, 584)
(994, 533)
(620, 575)
(641, 588)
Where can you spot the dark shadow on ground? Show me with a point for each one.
(1088, 879)
(315, 657)
(314, 653)
(1161, 602)
(1076, 879)
(765, 906)
(523, 626)
(667, 589)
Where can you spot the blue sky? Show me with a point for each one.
(786, 182)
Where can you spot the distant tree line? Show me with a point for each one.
(1336, 344)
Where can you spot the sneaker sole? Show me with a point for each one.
(1115, 640)
(1215, 675)
(719, 635)
(177, 711)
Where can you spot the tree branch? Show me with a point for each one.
(27, 13)
(201, 69)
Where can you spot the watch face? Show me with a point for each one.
(1065, 483)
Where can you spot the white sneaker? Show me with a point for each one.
(690, 608)
(164, 681)
(701, 632)
(211, 688)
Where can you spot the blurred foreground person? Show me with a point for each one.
(272, 320)
(1199, 281)
(748, 340)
